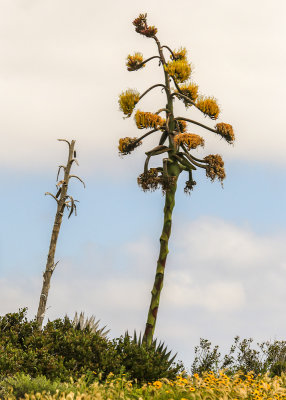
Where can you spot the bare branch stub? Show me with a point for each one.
(64, 140)
(50, 194)
(75, 176)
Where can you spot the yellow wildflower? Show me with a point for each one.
(157, 384)
(191, 140)
(208, 106)
(128, 100)
(180, 70)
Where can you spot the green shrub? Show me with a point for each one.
(58, 351)
(61, 351)
(266, 357)
(20, 384)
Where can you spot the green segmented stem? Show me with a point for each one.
(173, 170)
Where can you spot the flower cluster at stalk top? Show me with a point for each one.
(135, 62)
(128, 100)
(191, 140)
(171, 130)
(148, 120)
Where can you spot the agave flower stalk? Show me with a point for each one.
(173, 130)
(63, 201)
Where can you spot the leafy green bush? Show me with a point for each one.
(61, 351)
(20, 384)
(266, 357)
(58, 351)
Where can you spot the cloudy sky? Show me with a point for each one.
(62, 67)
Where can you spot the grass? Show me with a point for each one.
(208, 386)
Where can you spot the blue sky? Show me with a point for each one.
(62, 68)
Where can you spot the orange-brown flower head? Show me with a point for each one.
(226, 131)
(180, 70)
(215, 167)
(191, 140)
(180, 54)
(209, 106)
(133, 62)
(148, 120)
(149, 180)
(127, 144)
(191, 91)
(181, 125)
(189, 186)
(142, 27)
(128, 100)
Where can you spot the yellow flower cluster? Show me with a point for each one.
(181, 125)
(180, 54)
(127, 144)
(128, 100)
(226, 131)
(148, 120)
(134, 61)
(191, 140)
(215, 167)
(180, 69)
(191, 91)
(208, 106)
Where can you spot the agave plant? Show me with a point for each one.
(81, 322)
(174, 140)
(159, 348)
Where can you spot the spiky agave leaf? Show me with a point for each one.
(159, 348)
(81, 322)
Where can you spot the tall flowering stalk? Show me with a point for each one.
(174, 140)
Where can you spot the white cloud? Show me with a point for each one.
(207, 292)
(62, 68)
